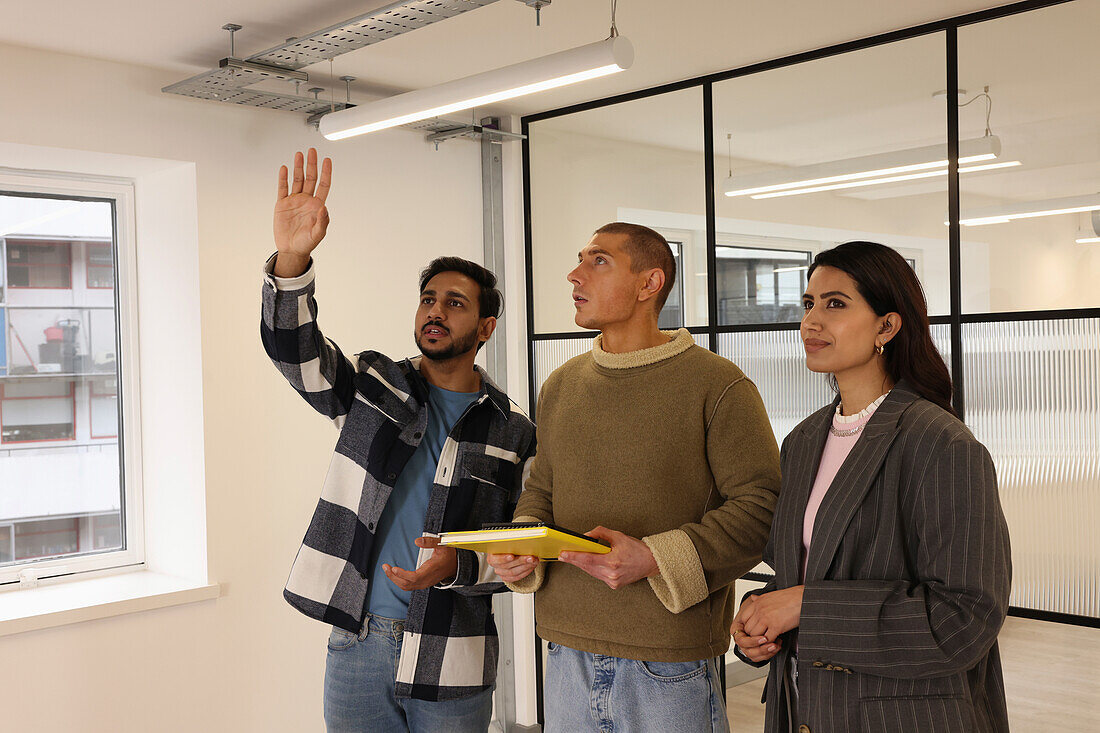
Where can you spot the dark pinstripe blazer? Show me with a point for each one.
(907, 579)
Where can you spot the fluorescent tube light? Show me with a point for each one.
(527, 77)
(1089, 240)
(791, 269)
(861, 168)
(889, 179)
(1029, 210)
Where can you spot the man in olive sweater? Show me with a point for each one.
(663, 450)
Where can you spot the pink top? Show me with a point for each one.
(837, 448)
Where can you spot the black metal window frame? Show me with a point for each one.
(956, 318)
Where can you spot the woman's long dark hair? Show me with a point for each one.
(889, 285)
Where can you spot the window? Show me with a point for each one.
(7, 547)
(67, 489)
(106, 531)
(672, 313)
(100, 265)
(46, 538)
(38, 411)
(103, 408)
(34, 264)
(760, 285)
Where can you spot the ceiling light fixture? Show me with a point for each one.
(865, 167)
(1029, 210)
(888, 179)
(1090, 233)
(871, 170)
(609, 56)
(527, 77)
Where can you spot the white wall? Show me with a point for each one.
(247, 661)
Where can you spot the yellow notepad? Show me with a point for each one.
(544, 541)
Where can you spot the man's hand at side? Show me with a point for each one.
(629, 561)
(301, 218)
(441, 566)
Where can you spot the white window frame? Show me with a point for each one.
(121, 192)
(694, 297)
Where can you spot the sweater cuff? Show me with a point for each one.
(287, 283)
(532, 582)
(680, 583)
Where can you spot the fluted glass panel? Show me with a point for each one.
(549, 355)
(1033, 398)
(941, 337)
(776, 363)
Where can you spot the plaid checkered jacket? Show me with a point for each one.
(449, 648)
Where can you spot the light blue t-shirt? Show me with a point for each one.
(402, 519)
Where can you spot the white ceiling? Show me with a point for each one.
(1045, 104)
(673, 39)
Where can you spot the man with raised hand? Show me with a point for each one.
(662, 449)
(427, 444)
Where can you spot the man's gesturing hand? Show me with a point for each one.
(301, 218)
(629, 561)
(442, 565)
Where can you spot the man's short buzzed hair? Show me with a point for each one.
(647, 250)
(490, 301)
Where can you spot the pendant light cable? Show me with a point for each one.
(988, 106)
(614, 30)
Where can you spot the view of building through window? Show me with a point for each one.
(60, 480)
(760, 285)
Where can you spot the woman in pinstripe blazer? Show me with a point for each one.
(889, 545)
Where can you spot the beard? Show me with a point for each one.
(458, 346)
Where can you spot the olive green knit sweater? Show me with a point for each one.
(671, 445)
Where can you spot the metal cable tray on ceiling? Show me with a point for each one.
(228, 82)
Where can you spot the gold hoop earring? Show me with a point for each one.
(879, 349)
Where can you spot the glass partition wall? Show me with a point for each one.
(991, 192)
(1031, 336)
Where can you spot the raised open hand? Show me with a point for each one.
(301, 218)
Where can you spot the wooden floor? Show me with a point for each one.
(1052, 680)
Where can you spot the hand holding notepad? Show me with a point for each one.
(536, 539)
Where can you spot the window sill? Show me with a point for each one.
(83, 600)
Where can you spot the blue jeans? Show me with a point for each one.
(360, 676)
(595, 692)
